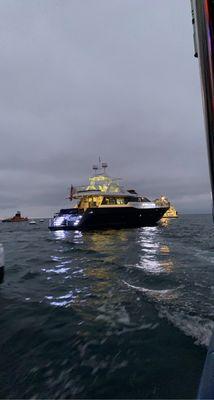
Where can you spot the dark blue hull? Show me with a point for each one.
(107, 217)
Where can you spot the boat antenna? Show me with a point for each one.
(95, 168)
(99, 162)
(104, 166)
(101, 165)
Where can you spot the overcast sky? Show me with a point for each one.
(81, 79)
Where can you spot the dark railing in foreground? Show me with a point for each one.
(203, 23)
(1, 263)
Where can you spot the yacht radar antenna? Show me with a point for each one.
(99, 162)
(95, 168)
(104, 166)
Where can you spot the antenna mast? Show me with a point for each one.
(104, 166)
(95, 168)
(98, 167)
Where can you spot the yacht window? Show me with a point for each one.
(145, 200)
(93, 204)
(105, 201)
(131, 199)
(112, 200)
(109, 200)
(120, 200)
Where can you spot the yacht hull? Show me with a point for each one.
(107, 218)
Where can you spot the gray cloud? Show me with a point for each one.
(85, 78)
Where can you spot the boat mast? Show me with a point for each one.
(101, 166)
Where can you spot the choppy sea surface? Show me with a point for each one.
(106, 314)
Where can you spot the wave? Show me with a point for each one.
(199, 328)
(160, 294)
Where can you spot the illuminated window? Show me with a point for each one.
(109, 201)
(120, 201)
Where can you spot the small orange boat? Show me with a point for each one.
(16, 218)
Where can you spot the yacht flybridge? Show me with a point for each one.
(104, 203)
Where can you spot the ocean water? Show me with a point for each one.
(109, 314)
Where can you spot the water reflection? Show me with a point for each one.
(165, 249)
(103, 241)
(59, 235)
(63, 300)
(105, 254)
(154, 256)
(86, 268)
(84, 260)
(164, 222)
